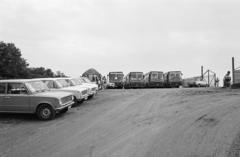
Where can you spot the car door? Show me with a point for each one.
(16, 98)
(2, 94)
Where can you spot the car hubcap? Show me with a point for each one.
(46, 112)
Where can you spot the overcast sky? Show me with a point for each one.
(124, 35)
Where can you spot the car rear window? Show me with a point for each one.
(2, 88)
(16, 88)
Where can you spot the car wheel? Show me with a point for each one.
(90, 96)
(45, 112)
(64, 110)
(75, 99)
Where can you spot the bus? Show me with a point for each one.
(134, 80)
(173, 79)
(154, 79)
(115, 79)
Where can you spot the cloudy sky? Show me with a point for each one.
(124, 35)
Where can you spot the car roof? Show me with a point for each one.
(116, 72)
(16, 80)
(57, 78)
(135, 72)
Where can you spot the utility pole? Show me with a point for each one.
(233, 70)
(208, 79)
(202, 72)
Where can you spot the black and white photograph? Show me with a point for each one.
(119, 78)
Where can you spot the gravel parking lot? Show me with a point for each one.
(132, 123)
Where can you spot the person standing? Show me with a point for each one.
(227, 80)
(217, 82)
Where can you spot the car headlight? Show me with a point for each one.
(60, 101)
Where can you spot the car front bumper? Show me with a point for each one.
(64, 106)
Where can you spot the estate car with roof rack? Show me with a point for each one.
(33, 96)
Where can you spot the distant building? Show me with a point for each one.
(237, 79)
(237, 76)
(92, 74)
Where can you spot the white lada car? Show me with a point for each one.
(60, 84)
(86, 81)
(80, 82)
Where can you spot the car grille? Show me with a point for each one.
(94, 89)
(66, 99)
(84, 92)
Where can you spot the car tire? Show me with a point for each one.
(90, 96)
(75, 99)
(45, 112)
(64, 110)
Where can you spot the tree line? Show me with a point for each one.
(14, 66)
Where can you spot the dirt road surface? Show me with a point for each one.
(132, 123)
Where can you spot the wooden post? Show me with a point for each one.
(233, 69)
(202, 73)
(208, 79)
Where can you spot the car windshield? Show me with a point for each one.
(62, 83)
(86, 80)
(49, 83)
(83, 80)
(198, 79)
(77, 81)
(71, 82)
(37, 86)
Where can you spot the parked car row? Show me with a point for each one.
(44, 97)
(152, 79)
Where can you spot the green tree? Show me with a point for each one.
(40, 72)
(12, 65)
(60, 74)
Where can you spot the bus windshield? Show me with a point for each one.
(136, 76)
